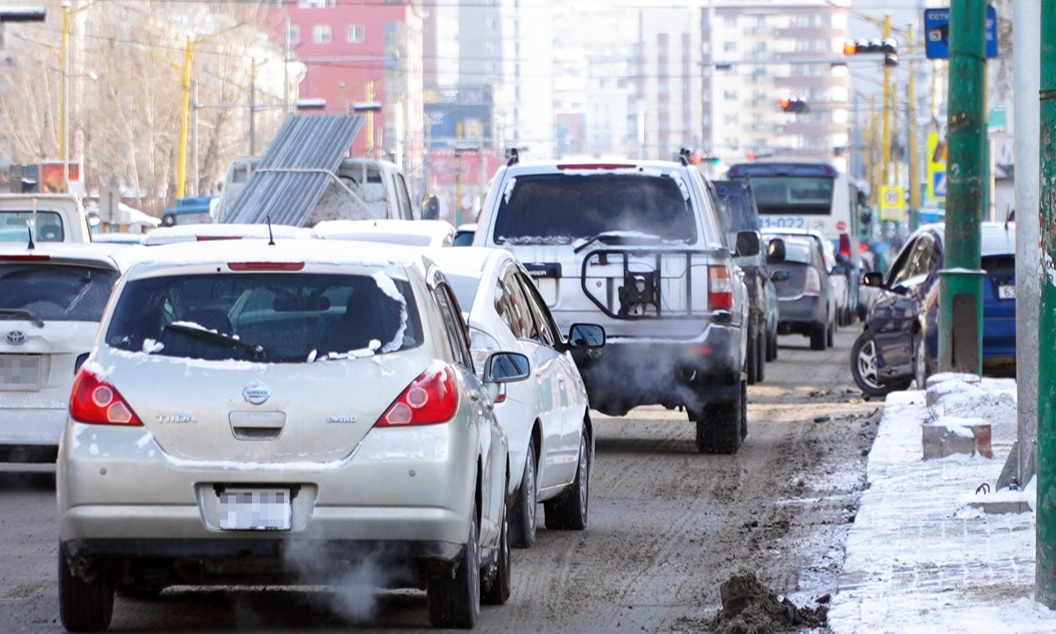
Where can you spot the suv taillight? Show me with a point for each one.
(720, 288)
(812, 285)
(428, 400)
(94, 401)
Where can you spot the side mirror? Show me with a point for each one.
(775, 251)
(506, 367)
(430, 207)
(779, 276)
(586, 336)
(747, 243)
(873, 278)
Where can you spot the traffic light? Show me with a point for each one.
(888, 48)
(792, 104)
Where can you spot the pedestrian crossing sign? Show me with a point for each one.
(938, 185)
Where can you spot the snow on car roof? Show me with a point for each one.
(471, 261)
(193, 232)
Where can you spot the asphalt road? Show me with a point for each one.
(667, 526)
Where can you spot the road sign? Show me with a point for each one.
(938, 185)
(937, 33)
(892, 203)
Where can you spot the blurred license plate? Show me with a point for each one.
(19, 371)
(1006, 291)
(255, 509)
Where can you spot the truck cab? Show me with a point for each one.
(43, 218)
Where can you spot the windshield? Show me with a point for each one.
(13, 226)
(793, 194)
(54, 292)
(564, 207)
(736, 209)
(270, 317)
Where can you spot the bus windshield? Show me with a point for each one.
(793, 194)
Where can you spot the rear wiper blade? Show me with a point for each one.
(212, 336)
(623, 237)
(24, 313)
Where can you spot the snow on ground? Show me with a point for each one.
(922, 555)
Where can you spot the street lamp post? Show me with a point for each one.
(64, 91)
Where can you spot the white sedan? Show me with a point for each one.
(546, 418)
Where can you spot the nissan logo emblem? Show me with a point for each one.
(256, 393)
(16, 337)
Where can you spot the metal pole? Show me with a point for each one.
(886, 141)
(64, 115)
(181, 165)
(960, 280)
(252, 107)
(1045, 570)
(911, 114)
(194, 137)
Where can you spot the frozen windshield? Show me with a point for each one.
(565, 207)
(54, 292)
(269, 317)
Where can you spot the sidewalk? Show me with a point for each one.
(920, 556)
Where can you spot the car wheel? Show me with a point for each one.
(496, 584)
(771, 347)
(920, 364)
(751, 364)
(522, 514)
(818, 336)
(760, 353)
(830, 335)
(721, 427)
(568, 511)
(863, 366)
(84, 605)
(454, 601)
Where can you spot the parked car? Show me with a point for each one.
(278, 413)
(738, 212)
(51, 300)
(899, 344)
(420, 233)
(806, 299)
(214, 231)
(547, 417)
(637, 247)
(49, 217)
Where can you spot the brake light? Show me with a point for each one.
(812, 285)
(845, 245)
(594, 166)
(720, 288)
(265, 266)
(94, 401)
(429, 399)
(25, 258)
(208, 238)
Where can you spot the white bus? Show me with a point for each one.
(806, 195)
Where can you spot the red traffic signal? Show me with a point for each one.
(792, 104)
(887, 47)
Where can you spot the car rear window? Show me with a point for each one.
(564, 207)
(54, 292)
(798, 251)
(14, 224)
(267, 317)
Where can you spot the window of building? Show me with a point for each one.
(730, 22)
(729, 47)
(316, 4)
(321, 34)
(295, 34)
(729, 95)
(354, 33)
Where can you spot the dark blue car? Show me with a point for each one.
(899, 344)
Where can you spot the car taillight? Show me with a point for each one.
(94, 401)
(428, 400)
(812, 285)
(720, 288)
(265, 266)
(845, 245)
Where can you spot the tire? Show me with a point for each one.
(751, 364)
(721, 426)
(760, 349)
(771, 347)
(830, 335)
(454, 602)
(84, 606)
(496, 589)
(568, 511)
(863, 366)
(818, 336)
(522, 512)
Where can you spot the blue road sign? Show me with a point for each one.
(938, 185)
(937, 33)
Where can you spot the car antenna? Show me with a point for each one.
(271, 236)
(29, 230)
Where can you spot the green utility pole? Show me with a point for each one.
(1045, 531)
(961, 281)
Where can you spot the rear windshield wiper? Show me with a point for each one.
(24, 313)
(621, 237)
(256, 350)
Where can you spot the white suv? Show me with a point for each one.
(637, 247)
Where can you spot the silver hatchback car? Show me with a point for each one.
(282, 413)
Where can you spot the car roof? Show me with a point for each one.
(194, 232)
(283, 250)
(574, 166)
(108, 253)
(469, 261)
(335, 228)
(995, 238)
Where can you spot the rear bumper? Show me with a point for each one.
(30, 435)
(631, 372)
(798, 315)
